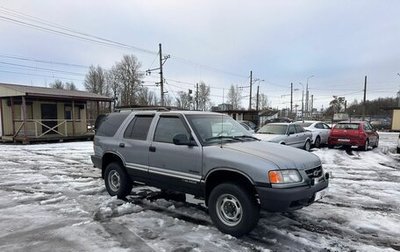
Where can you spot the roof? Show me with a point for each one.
(12, 90)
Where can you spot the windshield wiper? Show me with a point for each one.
(222, 138)
(245, 136)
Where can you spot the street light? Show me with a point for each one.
(302, 102)
(307, 94)
(258, 91)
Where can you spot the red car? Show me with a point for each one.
(355, 133)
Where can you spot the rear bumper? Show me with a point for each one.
(281, 200)
(96, 161)
(346, 141)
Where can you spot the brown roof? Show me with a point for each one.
(53, 92)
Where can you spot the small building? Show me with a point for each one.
(30, 113)
(396, 119)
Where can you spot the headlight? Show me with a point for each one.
(284, 176)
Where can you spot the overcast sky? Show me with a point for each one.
(218, 42)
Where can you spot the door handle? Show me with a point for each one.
(122, 145)
(152, 149)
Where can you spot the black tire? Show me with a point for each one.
(365, 146)
(307, 145)
(317, 143)
(330, 146)
(227, 200)
(398, 150)
(117, 181)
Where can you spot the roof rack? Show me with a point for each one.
(157, 108)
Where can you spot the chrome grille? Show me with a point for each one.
(315, 172)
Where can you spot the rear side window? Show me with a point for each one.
(110, 124)
(138, 127)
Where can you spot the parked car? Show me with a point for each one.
(249, 124)
(247, 127)
(211, 156)
(290, 134)
(320, 131)
(354, 134)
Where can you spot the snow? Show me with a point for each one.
(53, 199)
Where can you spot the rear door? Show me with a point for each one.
(134, 146)
(302, 135)
(170, 165)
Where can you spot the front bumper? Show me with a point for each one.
(286, 199)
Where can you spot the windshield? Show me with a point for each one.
(276, 129)
(216, 128)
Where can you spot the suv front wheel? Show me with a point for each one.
(233, 209)
(117, 181)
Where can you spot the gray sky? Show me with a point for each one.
(218, 42)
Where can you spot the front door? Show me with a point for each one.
(49, 117)
(174, 166)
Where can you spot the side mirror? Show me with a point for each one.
(182, 139)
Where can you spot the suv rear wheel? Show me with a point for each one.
(233, 209)
(117, 181)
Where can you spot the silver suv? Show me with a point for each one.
(211, 156)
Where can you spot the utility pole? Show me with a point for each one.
(251, 87)
(162, 61)
(307, 96)
(365, 98)
(197, 96)
(312, 105)
(258, 97)
(161, 75)
(291, 99)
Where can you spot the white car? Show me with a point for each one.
(285, 133)
(320, 131)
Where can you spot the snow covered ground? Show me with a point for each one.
(52, 199)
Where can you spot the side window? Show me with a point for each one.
(319, 126)
(138, 127)
(168, 127)
(292, 130)
(326, 126)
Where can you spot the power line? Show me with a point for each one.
(42, 61)
(41, 68)
(40, 75)
(65, 31)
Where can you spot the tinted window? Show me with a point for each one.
(110, 124)
(292, 130)
(299, 128)
(350, 126)
(138, 127)
(326, 126)
(319, 126)
(168, 128)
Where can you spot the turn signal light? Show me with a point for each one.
(275, 177)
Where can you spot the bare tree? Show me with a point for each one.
(183, 101)
(57, 84)
(95, 81)
(129, 79)
(146, 97)
(234, 97)
(70, 86)
(203, 97)
(263, 101)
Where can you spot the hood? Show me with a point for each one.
(285, 157)
(270, 137)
